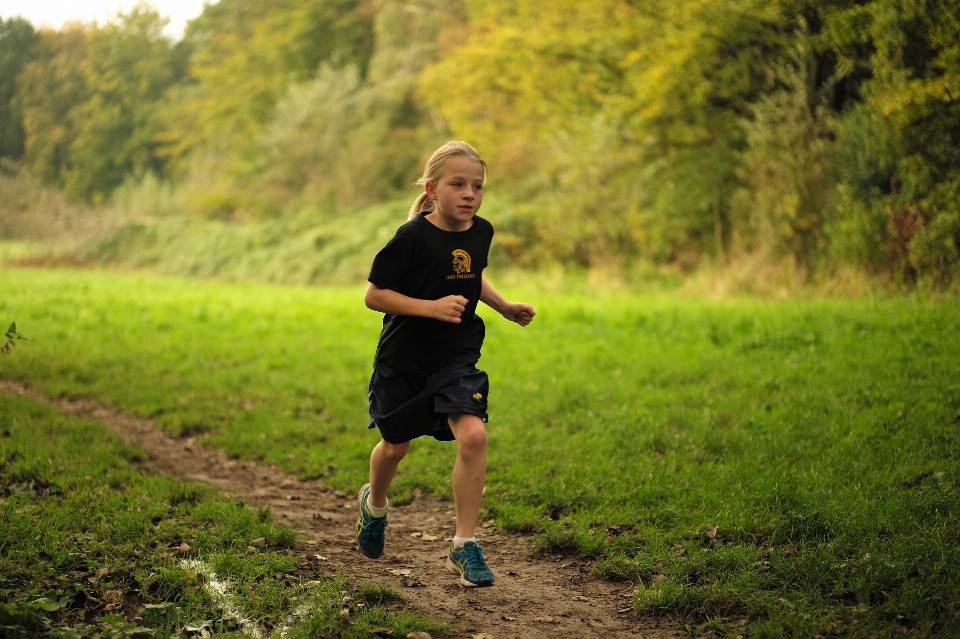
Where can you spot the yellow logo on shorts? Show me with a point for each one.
(478, 397)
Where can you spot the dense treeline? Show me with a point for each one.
(820, 135)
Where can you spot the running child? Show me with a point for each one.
(428, 280)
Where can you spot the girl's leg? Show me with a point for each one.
(470, 469)
(383, 465)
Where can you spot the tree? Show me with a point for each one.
(130, 66)
(48, 92)
(620, 120)
(244, 55)
(17, 43)
(899, 149)
(345, 138)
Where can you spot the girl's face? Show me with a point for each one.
(457, 194)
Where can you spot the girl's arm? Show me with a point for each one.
(385, 300)
(517, 312)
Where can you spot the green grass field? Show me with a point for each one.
(821, 438)
(92, 548)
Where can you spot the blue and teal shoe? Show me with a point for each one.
(468, 562)
(369, 528)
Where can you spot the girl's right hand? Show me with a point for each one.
(449, 308)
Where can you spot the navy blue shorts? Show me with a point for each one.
(404, 407)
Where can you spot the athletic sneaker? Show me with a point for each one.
(369, 528)
(468, 562)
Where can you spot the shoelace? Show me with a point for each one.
(474, 556)
(375, 524)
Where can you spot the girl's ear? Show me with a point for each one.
(431, 192)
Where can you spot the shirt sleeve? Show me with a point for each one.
(392, 262)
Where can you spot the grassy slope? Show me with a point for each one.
(88, 542)
(820, 438)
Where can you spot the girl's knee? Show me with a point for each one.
(470, 432)
(395, 452)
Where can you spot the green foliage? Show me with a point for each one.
(244, 54)
(12, 336)
(340, 141)
(819, 436)
(130, 66)
(786, 191)
(809, 137)
(48, 92)
(622, 142)
(306, 247)
(17, 42)
(692, 129)
(908, 171)
(90, 102)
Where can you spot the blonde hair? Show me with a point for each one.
(433, 171)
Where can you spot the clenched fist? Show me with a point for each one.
(449, 308)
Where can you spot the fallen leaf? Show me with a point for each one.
(483, 635)
(259, 542)
(712, 532)
(427, 537)
(401, 573)
(419, 635)
(184, 548)
(416, 534)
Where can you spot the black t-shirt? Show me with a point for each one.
(428, 263)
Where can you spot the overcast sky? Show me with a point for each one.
(55, 12)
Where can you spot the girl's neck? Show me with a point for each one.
(442, 223)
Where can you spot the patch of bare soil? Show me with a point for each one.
(535, 596)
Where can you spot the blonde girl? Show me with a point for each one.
(427, 281)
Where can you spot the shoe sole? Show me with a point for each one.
(452, 567)
(360, 503)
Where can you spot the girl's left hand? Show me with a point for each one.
(522, 314)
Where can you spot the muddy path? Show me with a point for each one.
(535, 596)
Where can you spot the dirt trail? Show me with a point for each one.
(535, 596)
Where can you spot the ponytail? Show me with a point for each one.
(433, 171)
(422, 203)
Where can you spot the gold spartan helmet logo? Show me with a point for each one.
(461, 261)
